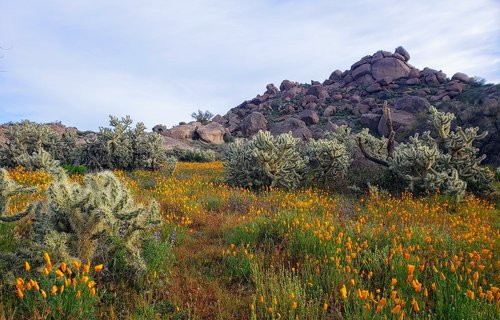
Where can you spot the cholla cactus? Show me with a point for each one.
(8, 189)
(264, 161)
(124, 147)
(328, 158)
(38, 160)
(26, 138)
(83, 219)
(375, 146)
(448, 162)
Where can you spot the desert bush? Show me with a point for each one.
(27, 142)
(124, 147)
(74, 169)
(264, 161)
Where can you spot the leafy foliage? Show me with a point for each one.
(74, 169)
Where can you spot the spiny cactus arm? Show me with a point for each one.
(441, 121)
(18, 216)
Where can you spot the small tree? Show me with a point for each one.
(202, 116)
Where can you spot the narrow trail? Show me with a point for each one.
(200, 283)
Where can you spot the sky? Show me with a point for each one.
(160, 60)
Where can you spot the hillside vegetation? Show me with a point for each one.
(224, 252)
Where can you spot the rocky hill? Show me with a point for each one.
(354, 97)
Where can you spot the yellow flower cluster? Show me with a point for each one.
(56, 280)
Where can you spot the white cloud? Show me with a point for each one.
(78, 61)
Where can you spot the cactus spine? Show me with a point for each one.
(26, 139)
(124, 147)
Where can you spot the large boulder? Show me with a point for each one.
(252, 123)
(211, 133)
(287, 84)
(461, 77)
(401, 51)
(318, 91)
(309, 117)
(183, 131)
(401, 121)
(390, 69)
(271, 89)
(361, 70)
(370, 121)
(297, 127)
(233, 121)
(160, 129)
(412, 104)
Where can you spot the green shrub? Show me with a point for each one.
(74, 169)
(202, 116)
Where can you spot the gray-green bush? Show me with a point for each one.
(328, 159)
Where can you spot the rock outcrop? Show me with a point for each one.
(355, 97)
